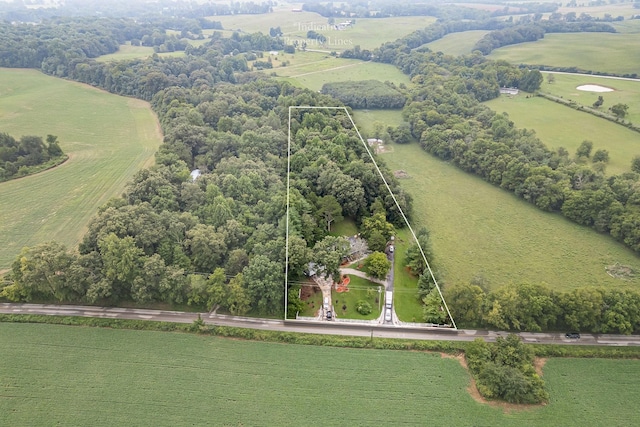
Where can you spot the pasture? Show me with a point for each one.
(60, 375)
(479, 230)
(560, 126)
(314, 69)
(107, 137)
(625, 92)
(602, 52)
(457, 43)
(127, 52)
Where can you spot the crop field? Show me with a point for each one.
(625, 92)
(480, 230)
(368, 33)
(107, 137)
(603, 52)
(313, 69)
(60, 375)
(457, 43)
(560, 126)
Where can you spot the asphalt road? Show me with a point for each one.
(313, 327)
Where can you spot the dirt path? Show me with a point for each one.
(362, 274)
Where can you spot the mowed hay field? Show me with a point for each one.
(560, 126)
(60, 375)
(481, 230)
(107, 137)
(314, 69)
(603, 52)
(128, 52)
(457, 43)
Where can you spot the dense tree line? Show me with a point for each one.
(371, 94)
(27, 155)
(528, 307)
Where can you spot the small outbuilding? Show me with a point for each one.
(195, 174)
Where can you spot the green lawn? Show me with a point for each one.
(625, 92)
(561, 126)
(457, 43)
(313, 303)
(346, 227)
(480, 230)
(359, 289)
(405, 285)
(603, 52)
(60, 375)
(107, 137)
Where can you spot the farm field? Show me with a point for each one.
(603, 52)
(128, 52)
(313, 69)
(457, 43)
(481, 230)
(368, 33)
(90, 376)
(560, 126)
(625, 92)
(107, 137)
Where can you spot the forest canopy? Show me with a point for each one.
(29, 154)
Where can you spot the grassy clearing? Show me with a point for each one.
(478, 229)
(91, 376)
(359, 289)
(128, 52)
(560, 126)
(314, 301)
(625, 92)
(313, 69)
(457, 43)
(602, 52)
(108, 138)
(346, 227)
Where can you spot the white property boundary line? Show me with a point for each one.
(366, 147)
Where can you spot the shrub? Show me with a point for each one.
(363, 307)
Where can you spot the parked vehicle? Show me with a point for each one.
(387, 315)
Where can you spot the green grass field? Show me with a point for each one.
(561, 126)
(625, 92)
(127, 52)
(60, 375)
(107, 137)
(481, 230)
(457, 43)
(603, 52)
(313, 69)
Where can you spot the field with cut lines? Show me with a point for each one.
(107, 137)
(560, 126)
(61, 375)
(313, 69)
(603, 52)
(481, 230)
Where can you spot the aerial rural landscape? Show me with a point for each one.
(319, 213)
